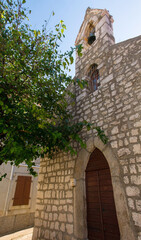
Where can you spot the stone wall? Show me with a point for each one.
(13, 223)
(116, 108)
(54, 211)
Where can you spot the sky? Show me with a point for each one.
(126, 15)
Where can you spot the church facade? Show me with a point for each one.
(96, 195)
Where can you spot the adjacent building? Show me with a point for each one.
(17, 198)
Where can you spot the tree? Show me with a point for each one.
(33, 86)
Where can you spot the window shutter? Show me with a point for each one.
(26, 192)
(22, 191)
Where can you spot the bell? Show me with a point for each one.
(91, 38)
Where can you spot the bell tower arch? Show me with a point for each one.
(96, 27)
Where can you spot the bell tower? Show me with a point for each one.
(96, 37)
(96, 29)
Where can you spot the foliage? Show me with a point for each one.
(33, 88)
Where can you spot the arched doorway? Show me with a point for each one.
(102, 221)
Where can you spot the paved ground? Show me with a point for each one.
(21, 235)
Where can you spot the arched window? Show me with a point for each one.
(94, 77)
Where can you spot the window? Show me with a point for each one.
(94, 77)
(22, 191)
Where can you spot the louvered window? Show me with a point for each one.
(22, 192)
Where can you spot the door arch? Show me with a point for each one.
(123, 214)
(102, 221)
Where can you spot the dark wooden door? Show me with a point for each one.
(101, 213)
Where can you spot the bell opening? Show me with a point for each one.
(91, 38)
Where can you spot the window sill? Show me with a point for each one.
(19, 207)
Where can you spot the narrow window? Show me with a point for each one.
(94, 78)
(22, 192)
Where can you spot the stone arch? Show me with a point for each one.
(90, 26)
(90, 64)
(80, 223)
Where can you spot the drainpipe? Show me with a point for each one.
(8, 191)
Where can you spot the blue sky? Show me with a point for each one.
(126, 14)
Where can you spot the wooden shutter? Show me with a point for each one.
(22, 191)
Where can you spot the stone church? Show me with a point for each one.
(96, 194)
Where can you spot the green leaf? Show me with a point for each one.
(71, 60)
(62, 30)
(64, 65)
(1, 103)
(5, 131)
(79, 49)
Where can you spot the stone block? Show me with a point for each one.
(133, 169)
(62, 227)
(131, 203)
(70, 218)
(50, 216)
(126, 180)
(102, 21)
(40, 194)
(55, 216)
(137, 124)
(137, 218)
(133, 139)
(68, 194)
(139, 167)
(115, 130)
(137, 148)
(107, 79)
(123, 151)
(52, 225)
(125, 169)
(48, 194)
(134, 132)
(62, 217)
(138, 205)
(136, 179)
(138, 158)
(118, 60)
(132, 191)
(69, 228)
(46, 234)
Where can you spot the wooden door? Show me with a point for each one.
(101, 213)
